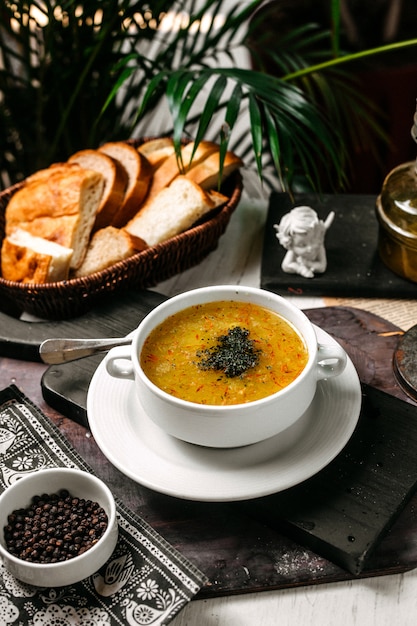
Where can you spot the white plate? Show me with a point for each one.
(142, 451)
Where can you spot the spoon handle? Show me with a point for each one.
(55, 351)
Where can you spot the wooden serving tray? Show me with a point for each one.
(270, 542)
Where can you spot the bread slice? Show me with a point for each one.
(115, 181)
(139, 173)
(157, 150)
(169, 170)
(206, 173)
(219, 199)
(59, 204)
(108, 246)
(29, 259)
(172, 211)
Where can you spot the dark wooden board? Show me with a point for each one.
(239, 548)
(354, 268)
(342, 511)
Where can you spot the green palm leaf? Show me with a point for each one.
(277, 104)
(255, 116)
(76, 74)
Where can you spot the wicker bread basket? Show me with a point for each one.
(73, 297)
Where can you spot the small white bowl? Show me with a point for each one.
(235, 425)
(79, 484)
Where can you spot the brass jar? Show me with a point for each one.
(396, 210)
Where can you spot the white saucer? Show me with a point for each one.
(142, 451)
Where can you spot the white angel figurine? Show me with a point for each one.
(302, 234)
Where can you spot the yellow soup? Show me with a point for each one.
(223, 352)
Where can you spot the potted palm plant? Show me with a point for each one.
(74, 74)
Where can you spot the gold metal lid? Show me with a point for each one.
(396, 206)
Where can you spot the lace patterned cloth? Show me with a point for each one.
(145, 581)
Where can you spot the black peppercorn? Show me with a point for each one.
(54, 528)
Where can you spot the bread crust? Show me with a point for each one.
(169, 169)
(174, 209)
(115, 181)
(27, 259)
(156, 151)
(206, 173)
(139, 175)
(108, 246)
(58, 204)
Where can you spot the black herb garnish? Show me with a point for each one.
(234, 353)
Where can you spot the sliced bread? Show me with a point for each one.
(115, 181)
(169, 169)
(108, 246)
(139, 173)
(219, 199)
(173, 210)
(206, 173)
(58, 204)
(29, 259)
(157, 150)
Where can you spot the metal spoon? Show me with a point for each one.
(55, 351)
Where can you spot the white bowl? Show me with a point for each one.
(79, 484)
(230, 425)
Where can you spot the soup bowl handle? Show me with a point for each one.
(119, 363)
(331, 361)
